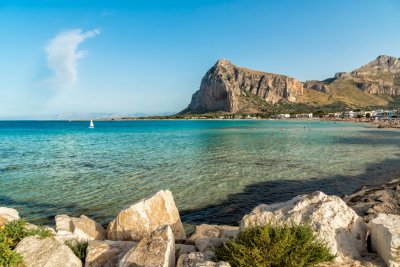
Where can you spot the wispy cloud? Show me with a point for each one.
(63, 55)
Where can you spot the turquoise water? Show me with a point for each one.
(216, 170)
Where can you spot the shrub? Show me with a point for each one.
(18, 230)
(11, 234)
(274, 246)
(78, 247)
(8, 257)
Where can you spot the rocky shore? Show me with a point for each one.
(368, 202)
(362, 229)
(389, 124)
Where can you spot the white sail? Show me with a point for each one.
(91, 124)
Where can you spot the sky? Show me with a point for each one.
(126, 57)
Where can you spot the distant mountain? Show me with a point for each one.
(228, 88)
(88, 116)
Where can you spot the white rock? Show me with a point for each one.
(143, 217)
(47, 252)
(63, 236)
(209, 244)
(8, 215)
(385, 238)
(106, 253)
(156, 250)
(63, 223)
(82, 228)
(181, 249)
(335, 223)
(209, 230)
(200, 259)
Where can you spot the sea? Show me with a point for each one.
(217, 170)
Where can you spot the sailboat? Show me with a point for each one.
(91, 125)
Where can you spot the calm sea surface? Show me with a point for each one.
(216, 170)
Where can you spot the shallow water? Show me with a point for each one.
(216, 170)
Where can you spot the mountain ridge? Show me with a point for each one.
(229, 88)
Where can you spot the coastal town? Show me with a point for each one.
(380, 118)
(371, 115)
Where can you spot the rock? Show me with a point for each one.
(156, 250)
(338, 225)
(207, 230)
(143, 217)
(209, 244)
(368, 202)
(318, 86)
(223, 87)
(63, 236)
(371, 260)
(47, 252)
(106, 253)
(385, 238)
(63, 223)
(181, 249)
(342, 75)
(82, 228)
(199, 259)
(232, 234)
(8, 215)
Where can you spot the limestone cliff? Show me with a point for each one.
(229, 88)
(380, 76)
(224, 86)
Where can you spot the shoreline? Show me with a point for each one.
(382, 124)
(157, 216)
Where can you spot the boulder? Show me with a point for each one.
(207, 230)
(181, 249)
(209, 244)
(143, 217)
(200, 259)
(385, 238)
(338, 225)
(106, 253)
(82, 228)
(31, 226)
(47, 252)
(8, 215)
(156, 250)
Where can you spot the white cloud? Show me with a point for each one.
(63, 54)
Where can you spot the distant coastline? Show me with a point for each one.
(394, 124)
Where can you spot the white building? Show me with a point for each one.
(391, 113)
(280, 116)
(304, 115)
(384, 114)
(349, 114)
(335, 115)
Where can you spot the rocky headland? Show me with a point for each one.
(362, 229)
(232, 89)
(223, 86)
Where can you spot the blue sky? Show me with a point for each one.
(149, 56)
